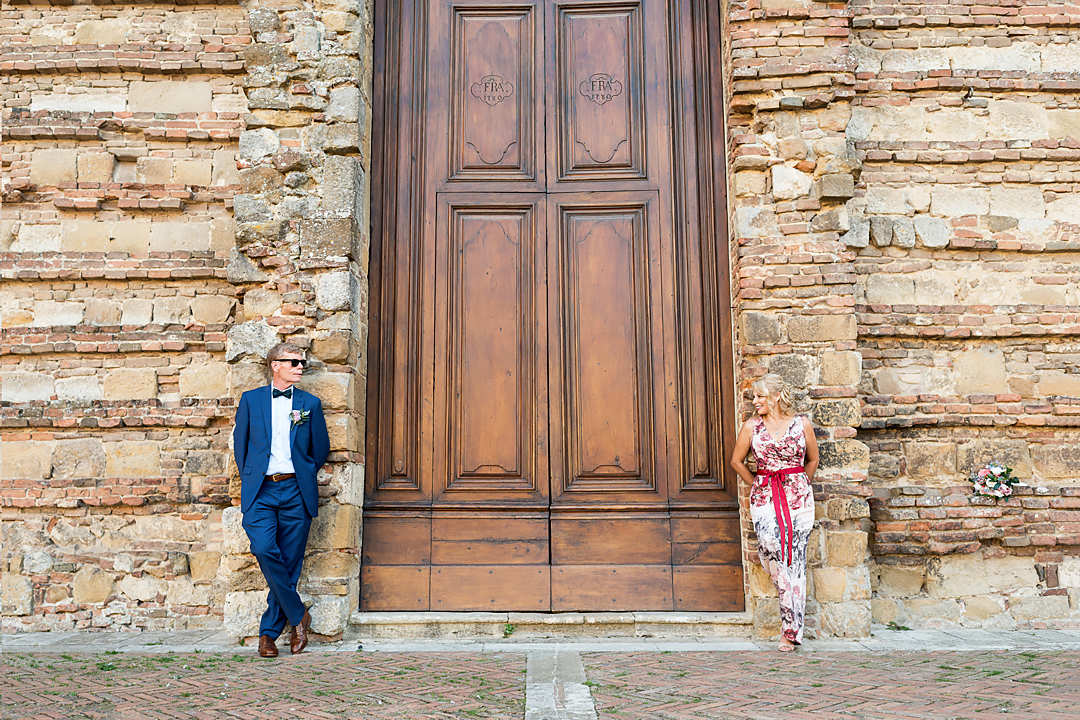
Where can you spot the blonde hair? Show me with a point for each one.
(772, 385)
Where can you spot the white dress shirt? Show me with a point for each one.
(280, 449)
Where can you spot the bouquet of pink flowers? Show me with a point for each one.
(993, 480)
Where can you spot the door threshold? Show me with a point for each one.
(402, 625)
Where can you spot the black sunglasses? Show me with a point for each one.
(294, 361)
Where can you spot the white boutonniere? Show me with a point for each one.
(299, 417)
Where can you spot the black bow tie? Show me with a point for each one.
(286, 393)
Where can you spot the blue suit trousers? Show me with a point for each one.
(277, 525)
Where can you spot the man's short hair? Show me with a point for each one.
(281, 350)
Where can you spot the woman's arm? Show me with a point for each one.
(738, 455)
(810, 462)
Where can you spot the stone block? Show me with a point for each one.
(37, 562)
(25, 459)
(111, 31)
(254, 337)
(846, 508)
(336, 527)
(1059, 383)
(336, 390)
(756, 221)
(816, 328)
(261, 302)
(180, 235)
(976, 453)
(900, 580)
(883, 289)
(102, 312)
(78, 459)
(258, 144)
(845, 619)
(91, 585)
(795, 369)
(1064, 124)
(172, 310)
(37, 239)
(205, 380)
(224, 170)
(760, 328)
(131, 236)
(143, 589)
(751, 182)
(21, 387)
(840, 367)
(154, 170)
(261, 179)
(242, 611)
(837, 413)
(837, 186)
(932, 232)
(830, 584)
(980, 371)
(222, 236)
(16, 595)
(196, 172)
(330, 347)
(137, 311)
(332, 565)
(903, 233)
(881, 231)
(1039, 609)
(49, 313)
(761, 585)
(131, 384)
(333, 290)
(930, 459)
(1017, 201)
(1015, 120)
(52, 167)
(953, 576)
(845, 548)
(182, 591)
(329, 614)
(211, 309)
(1057, 461)
(203, 565)
(132, 459)
(883, 200)
(326, 237)
(980, 609)
(952, 201)
(95, 167)
(169, 96)
(341, 185)
(234, 539)
(789, 183)
(885, 610)
(344, 105)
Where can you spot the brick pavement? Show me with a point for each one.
(696, 685)
(646, 683)
(312, 686)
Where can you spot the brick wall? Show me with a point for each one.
(183, 187)
(966, 121)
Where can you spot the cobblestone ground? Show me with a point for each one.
(336, 685)
(988, 684)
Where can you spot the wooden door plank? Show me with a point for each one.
(394, 587)
(600, 588)
(524, 588)
(713, 588)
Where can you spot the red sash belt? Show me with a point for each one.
(780, 505)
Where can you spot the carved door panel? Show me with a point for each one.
(548, 365)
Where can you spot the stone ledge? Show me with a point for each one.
(447, 625)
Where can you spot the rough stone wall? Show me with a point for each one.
(793, 172)
(184, 185)
(966, 122)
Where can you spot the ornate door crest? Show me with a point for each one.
(492, 89)
(600, 87)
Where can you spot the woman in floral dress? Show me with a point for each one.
(781, 499)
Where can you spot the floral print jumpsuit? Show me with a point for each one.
(783, 528)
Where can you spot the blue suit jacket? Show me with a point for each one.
(251, 445)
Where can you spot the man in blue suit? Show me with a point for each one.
(280, 442)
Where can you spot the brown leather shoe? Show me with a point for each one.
(299, 634)
(267, 646)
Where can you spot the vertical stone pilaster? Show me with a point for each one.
(793, 175)
(302, 260)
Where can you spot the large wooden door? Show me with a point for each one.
(549, 360)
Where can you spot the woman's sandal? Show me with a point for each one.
(785, 646)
